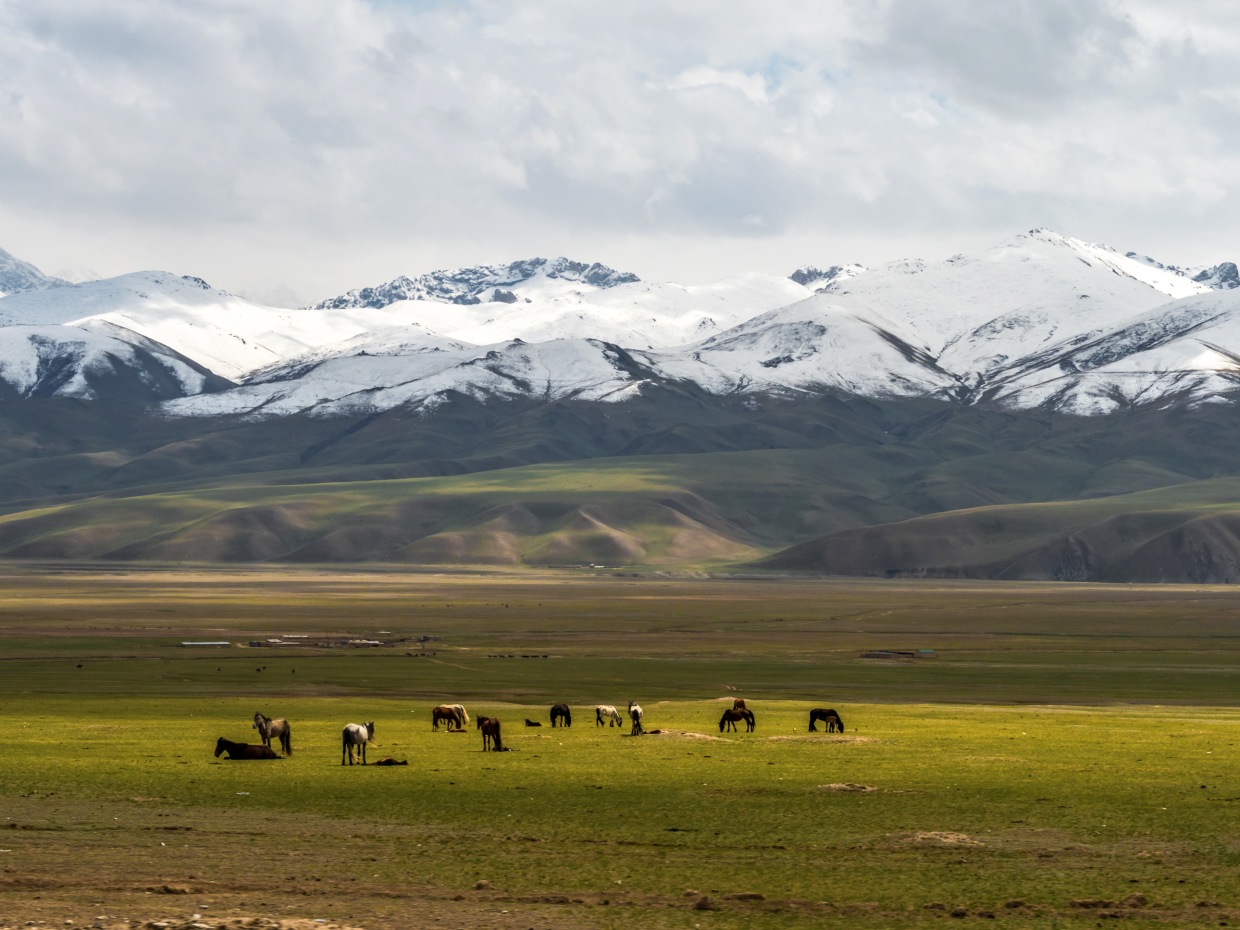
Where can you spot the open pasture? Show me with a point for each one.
(1069, 753)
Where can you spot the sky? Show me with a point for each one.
(293, 150)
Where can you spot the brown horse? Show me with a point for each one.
(561, 715)
(827, 716)
(243, 750)
(490, 734)
(448, 713)
(730, 717)
(738, 704)
(278, 729)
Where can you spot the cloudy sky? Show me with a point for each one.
(309, 146)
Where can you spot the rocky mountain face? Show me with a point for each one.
(478, 284)
(17, 276)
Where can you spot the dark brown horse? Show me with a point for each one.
(278, 729)
(449, 714)
(490, 734)
(827, 716)
(729, 718)
(561, 715)
(738, 704)
(243, 750)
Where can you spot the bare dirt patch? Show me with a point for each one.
(942, 838)
(847, 787)
(669, 733)
(809, 737)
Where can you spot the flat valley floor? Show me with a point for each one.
(1039, 755)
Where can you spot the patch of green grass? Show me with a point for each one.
(970, 806)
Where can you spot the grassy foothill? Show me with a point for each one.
(944, 799)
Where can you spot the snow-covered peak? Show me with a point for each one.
(17, 276)
(502, 283)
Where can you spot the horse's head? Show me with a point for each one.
(219, 746)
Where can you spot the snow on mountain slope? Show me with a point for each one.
(228, 334)
(420, 374)
(636, 315)
(1187, 350)
(977, 313)
(62, 361)
(811, 345)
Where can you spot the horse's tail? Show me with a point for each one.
(286, 739)
(465, 714)
(498, 743)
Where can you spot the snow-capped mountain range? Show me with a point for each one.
(1041, 320)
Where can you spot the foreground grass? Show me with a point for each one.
(1002, 772)
(967, 808)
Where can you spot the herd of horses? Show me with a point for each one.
(355, 736)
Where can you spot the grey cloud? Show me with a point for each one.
(358, 128)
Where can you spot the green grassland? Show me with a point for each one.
(1068, 755)
(843, 510)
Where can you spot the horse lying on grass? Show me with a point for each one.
(243, 750)
(532, 723)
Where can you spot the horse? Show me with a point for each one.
(446, 712)
(738, 704)
(562, 714)
(490, 733)
(278, 728)
(460, 709)
(635, 715)
(243, 750)
(730, 717)
(391, 761)
(606, 712)
(355, 734)
(532, 723)
(827, 716)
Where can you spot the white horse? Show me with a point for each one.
(355, 734)
(635, 714)
(606, 712)
(460, 709)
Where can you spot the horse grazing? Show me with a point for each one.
(729, 718)
(827, 716)
(243, 750)
(606, 712)
(448, 713)
(738, 704)
(490, 734)
(635, 715)
(355, 734)
(277, 729)
(561, 715)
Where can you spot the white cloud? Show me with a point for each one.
(325, 144)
